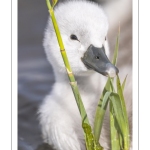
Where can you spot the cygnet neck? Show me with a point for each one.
(88, 81)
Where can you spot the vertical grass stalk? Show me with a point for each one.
(89, 138)
(71, 77)
(114, 133)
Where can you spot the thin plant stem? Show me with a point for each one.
(91, 144)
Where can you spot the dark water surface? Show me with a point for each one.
(35, 75)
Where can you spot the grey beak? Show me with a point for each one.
(95, 58)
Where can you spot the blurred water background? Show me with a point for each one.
(35, 75)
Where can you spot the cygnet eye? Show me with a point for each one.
(73, 37)
(96, 57)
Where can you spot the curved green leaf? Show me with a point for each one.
(100, 111)
(120, 118)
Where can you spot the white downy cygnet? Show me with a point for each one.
(83, 26)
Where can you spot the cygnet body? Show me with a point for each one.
(81, 24)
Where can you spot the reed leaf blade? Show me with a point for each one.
(100, 112)
(115, 144)
(115, 56)
(124, 111)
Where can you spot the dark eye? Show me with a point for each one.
(105, 38)
(96, 57)
(73, 37)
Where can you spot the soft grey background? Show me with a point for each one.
(35, 75)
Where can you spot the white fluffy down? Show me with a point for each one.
(59, 116)
(84, 19)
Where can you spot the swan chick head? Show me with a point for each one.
(81, 24)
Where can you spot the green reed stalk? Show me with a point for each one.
(114, 132)
(67, 65)
(91, 144)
